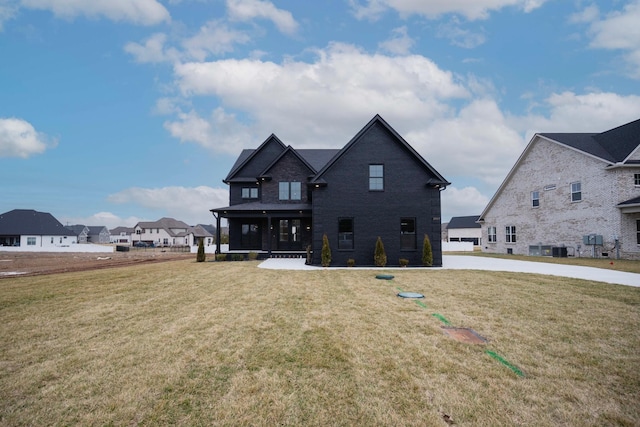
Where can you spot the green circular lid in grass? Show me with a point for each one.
(410, 295)
(384, 276)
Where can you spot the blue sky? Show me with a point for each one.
(117, 111)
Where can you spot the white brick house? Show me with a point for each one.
(566, 186)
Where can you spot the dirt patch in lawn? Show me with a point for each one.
(18, 264)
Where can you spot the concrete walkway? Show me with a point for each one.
(461, 262)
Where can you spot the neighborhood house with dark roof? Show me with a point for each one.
(570, 194)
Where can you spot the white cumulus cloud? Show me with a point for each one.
(247, 10)
(462, 202)
(188, 204)
(143, 12)
(18, 138)
(471, 10)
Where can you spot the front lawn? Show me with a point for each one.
(227, 343)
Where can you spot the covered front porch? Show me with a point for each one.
(282, 230)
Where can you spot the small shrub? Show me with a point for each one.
(201, 257)
(403, 262)
(351, 262)
(427, 252)
(253, 256)
(379, 256)
(237, 257)
(326, 251)
(221, 257)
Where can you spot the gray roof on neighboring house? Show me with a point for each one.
(97, 229)
(118, 230)
(200, 231)
(165, 223)
(28, 221)
(614, 145)
(464, 222)
(77, 229)
(209, 227)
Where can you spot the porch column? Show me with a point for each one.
(269, 235)
(217, 232)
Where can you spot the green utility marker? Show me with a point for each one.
(420, 303)
(500, 359)
(442, 318)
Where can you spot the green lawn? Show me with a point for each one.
(227, 343)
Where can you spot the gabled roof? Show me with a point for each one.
(78, 229)
(200, 231)
(436, 180)
(118, 230)
(288, 150)
(28, 221)
(613, 146)
(464, 222)
(97, 229)
(246, 156)
(167, 224)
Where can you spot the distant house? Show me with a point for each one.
(164, 232)
(203, 232)
(570, 194)
(82, 231)
(464, 229)
(91, 234)
(121, 235)
(283, 200)
(99, 234)
(30, 229)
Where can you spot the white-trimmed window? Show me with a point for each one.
(576, 191)
(510, 234)
(535, 199)
(636, 179)
(31, 241)
(492, 234)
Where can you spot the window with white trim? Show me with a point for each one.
(576, 191)
(636, 179)
(510, 234)
(492, 234)
(535, 199)
(31, 241)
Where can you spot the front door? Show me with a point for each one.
(289, 235)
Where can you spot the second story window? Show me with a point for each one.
(576, 191)
(535, 199)
(290, 191)
(376, 177)
(636, 179)
(249, 193)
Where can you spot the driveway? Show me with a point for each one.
(461, 262)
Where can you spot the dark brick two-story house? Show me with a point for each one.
(283, 200)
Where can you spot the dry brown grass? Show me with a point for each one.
(186, 343)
